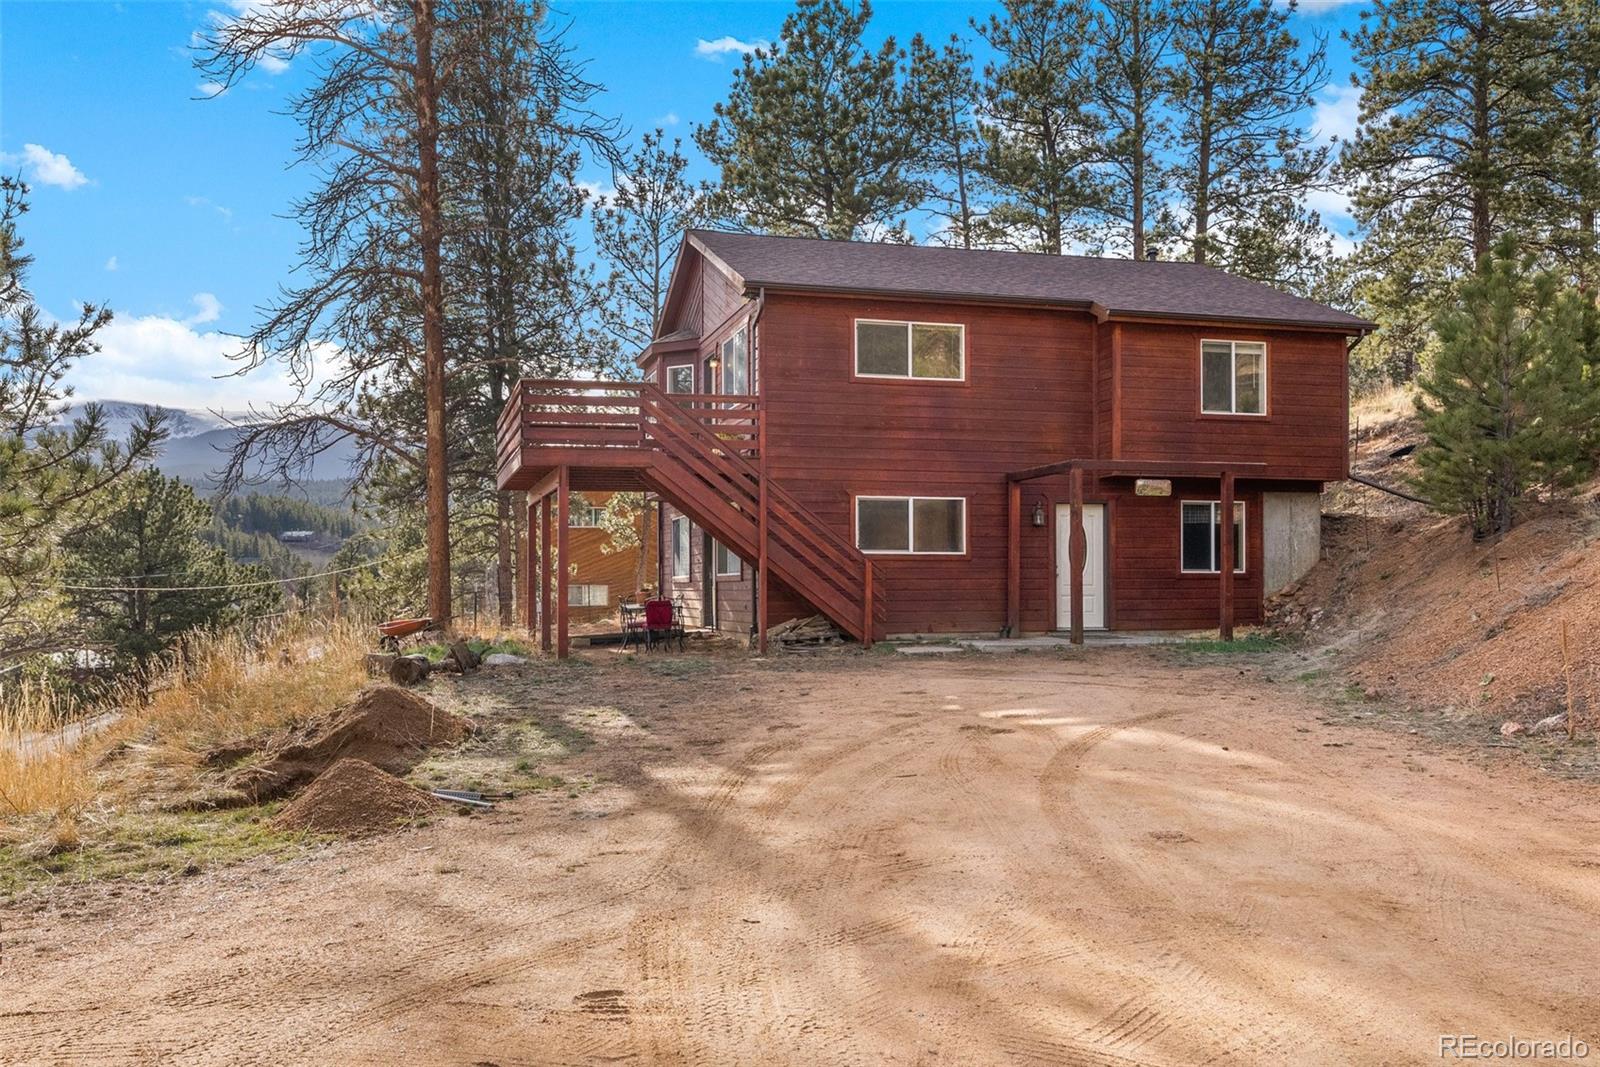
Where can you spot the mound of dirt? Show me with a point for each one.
(1422, 612)
(386, 727)
(354, 798)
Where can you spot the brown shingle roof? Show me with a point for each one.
(1117, 287)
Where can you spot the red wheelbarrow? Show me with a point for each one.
(395, 629)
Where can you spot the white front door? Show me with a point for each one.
(1094, 567)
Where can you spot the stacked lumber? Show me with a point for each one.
(810, 633)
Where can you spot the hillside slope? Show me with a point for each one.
(1416, 609)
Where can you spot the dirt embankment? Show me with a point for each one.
(1423, 612)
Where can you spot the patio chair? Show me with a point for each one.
(631, 614)
(663, 621)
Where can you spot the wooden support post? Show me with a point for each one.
(1225, 623)
(563, 560)
(1013, 559)
(545, 567)
(530, 568)
(868, 622)
(1077, 544)
(764, 532)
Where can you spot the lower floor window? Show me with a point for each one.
(933, 525)
(727, 562)
(1202, 536)
(588, 596)
(680, 547)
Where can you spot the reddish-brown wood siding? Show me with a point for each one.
(1040, 386)
(1303, 434)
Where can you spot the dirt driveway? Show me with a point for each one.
(1112, 860)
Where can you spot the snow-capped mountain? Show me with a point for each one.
(198, 441)
(121, 415)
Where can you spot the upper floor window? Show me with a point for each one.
(935, 350)
(933, 525)
(736, 364)
(680, 379)
(1233, 377)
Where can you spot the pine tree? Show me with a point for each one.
(1241, 91)
(155, 539)
(1042, 141)
(945, 92)
(1573, 102)
(818, 136)
(53, 479)
(637, 230)
(1130, 45)
(1452, 151)
(375, 227)
(1510, 404)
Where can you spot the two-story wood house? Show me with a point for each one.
(912, 439)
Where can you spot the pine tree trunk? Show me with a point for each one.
(430, 242)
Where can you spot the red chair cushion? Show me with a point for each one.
(658, 614)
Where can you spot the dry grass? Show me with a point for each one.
(55, 772)
(1373, 413)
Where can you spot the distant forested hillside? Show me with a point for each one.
(270, 514)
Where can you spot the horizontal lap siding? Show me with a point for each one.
(1303, 435)
(1149, 590)
(1028, 399)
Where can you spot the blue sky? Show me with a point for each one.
(170, 207)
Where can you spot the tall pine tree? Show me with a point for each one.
(1242, 88)
(818, 136)
(1130, 44)
(945, 92)
(1042, 140)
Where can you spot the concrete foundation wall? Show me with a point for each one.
(1291, 529)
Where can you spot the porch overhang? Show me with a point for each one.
(1075, 469)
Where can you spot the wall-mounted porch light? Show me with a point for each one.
(1038, 513)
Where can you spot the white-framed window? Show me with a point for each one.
(1202, 537)
(936, 351)
(680, 379)
(585, 516)
(588, 596)
(1233, 377)
(680, 547)
(736, 364)
(728, 565)
(921, 525)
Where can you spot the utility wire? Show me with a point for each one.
(225, 585)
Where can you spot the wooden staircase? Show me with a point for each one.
(702, 453)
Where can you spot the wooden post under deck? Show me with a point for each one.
(1013, 559)
(1225, 623)
(528, 570)
(544, 573)
(563, 559)
(1077, 542)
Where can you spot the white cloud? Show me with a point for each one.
(43, 167)
(1329, 202)
(156, 359)
(1319, 7)
(1337, 114)
(596, 190)
(715, 50)
(210, 89)
(111, 264)
(273, 64)
(207, 308)
(207, 202)
(669, 119)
